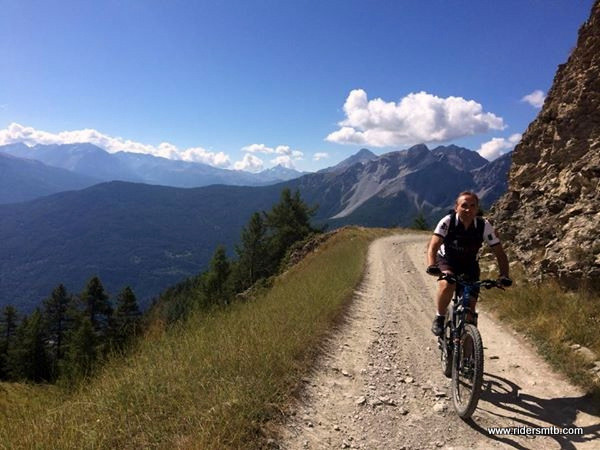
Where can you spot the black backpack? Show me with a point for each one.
(480, 225)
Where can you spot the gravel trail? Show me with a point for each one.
(380, 385)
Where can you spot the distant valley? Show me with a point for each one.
(150, 237)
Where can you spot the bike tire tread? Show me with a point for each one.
(467, 409)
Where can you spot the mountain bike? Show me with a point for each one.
(461, 345)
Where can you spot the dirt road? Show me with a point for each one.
(381, 387)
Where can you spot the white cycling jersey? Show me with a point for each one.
(464, 242)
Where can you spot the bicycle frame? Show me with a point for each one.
(463, 365)
(461, 308)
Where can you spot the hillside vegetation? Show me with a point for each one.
(564, 325)
(211, 381)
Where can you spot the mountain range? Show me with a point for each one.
(391, 189)
(150, 236)
(88, 164)
(25, 179)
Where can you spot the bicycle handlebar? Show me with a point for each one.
(487, 283)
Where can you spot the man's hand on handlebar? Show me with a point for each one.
(434, 271)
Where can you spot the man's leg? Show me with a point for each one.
(442, 300)
(444, 296)
(473, 303)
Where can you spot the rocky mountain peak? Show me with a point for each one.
(550, 214)
(459, 157)
(365, 153)
(280, 172)
(363, 156)
(419, 150)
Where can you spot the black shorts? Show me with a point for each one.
(470, 270)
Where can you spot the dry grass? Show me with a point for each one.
(211, 382)
(555, 320)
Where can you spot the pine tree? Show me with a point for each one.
(96, 306)
(8, 328)
(58, 323)
(28, 357)
(253, 252)
(8, 323)
(420, 223)
(82, 353)
(288, 222)
(126, 318)
(216, 278)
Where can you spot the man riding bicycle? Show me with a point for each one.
(453, 249)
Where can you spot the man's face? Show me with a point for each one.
(466, 208)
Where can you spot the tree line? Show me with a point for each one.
(69, 336)
(264, 243)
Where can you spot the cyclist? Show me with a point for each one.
(453, 248)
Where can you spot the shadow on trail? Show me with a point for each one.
(530, 411)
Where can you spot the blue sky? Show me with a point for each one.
(248, 84)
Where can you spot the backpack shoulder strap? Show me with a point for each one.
(480, 226)
(452, 226)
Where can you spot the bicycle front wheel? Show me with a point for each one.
(467, 372)
(445, 343)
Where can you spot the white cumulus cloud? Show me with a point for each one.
(285, 155)
(320, 156)
(249, 163)
(417, 118)
(497, 147)
(285, 161)
(285, 150)
(258, 148)
(535, 99)
(198, 154)
(30, 136)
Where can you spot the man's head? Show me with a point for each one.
(467, 206)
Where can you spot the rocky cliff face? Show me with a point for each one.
(550, 214)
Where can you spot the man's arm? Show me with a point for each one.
(434, 245)
(502, 260)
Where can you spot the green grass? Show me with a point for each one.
(554, 320)
(214, 381)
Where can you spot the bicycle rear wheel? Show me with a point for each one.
(467, 372)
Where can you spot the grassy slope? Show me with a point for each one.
(212, 382)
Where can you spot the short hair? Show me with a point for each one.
(469, 193)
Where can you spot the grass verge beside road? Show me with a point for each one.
(565, 326)
(211, 382)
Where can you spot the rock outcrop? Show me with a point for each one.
(550, 214)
